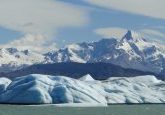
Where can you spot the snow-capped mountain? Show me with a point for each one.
(131, 51)
(12, 59)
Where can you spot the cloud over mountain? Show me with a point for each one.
(40, 16)
(37, 43)
(151, 8)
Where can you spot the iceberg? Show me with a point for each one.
(87, 77)
(47, 89)
(39, 89)
(4, 82)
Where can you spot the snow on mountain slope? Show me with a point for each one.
(13, 59)
(40, 89)
(71, 53)
(132, 51)
(140, 54)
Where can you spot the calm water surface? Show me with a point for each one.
(154, 109)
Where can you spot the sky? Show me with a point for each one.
(43, 25)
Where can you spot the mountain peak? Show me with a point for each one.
(132, 36)
(128, 35)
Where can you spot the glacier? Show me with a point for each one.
(47, 89)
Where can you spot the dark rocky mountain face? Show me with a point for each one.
(99, 71)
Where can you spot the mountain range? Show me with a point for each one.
(132, 51)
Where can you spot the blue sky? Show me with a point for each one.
(71, 21)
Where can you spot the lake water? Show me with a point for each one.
(153, 109)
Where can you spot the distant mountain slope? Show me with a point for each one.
(13, 59)
(99, 71)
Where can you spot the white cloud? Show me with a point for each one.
(152, 32)
(153, 35)
(152, 8)
(40, 16)
(37, 43)
(111, 32)
(39, 20)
